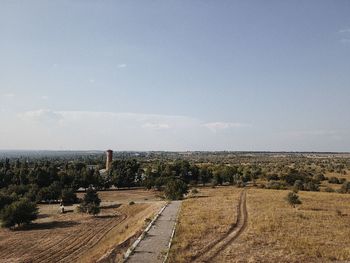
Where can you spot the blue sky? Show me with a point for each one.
(175, 75)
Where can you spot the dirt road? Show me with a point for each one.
(212, 250)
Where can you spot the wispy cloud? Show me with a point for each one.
(309, 134)
(9, 95)
(127, 130)
(44, 97)
(122, 66)
(43, 116)
(345, 35)
(156, 126)
(344, 30)
(217, 126)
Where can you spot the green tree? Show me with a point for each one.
(69, 196)
(91, 202)
(18, 213)
(175, 189)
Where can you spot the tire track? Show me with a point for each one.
(211, 251)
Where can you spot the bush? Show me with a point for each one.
(319, 177)
(298, 186)
(311, 186)
(175, 189)
(131, 203)
(194, 191)
(91, 202)
(276, 185)
(69, 197)
(345, 188)
(333, 180)
(293, 199)
(329, 190)
(19, 212)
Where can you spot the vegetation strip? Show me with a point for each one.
(137, 241)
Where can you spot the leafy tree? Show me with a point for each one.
(205, 175)
(18, 213)
(175, 189)
(91, 202)
(6, 199)
(69, 196)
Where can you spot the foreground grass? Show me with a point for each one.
(202, 220)
(318, 231)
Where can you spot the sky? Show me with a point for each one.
(175, 75)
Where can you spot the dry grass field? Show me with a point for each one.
(203, 219)
(317, 231)
(75, 237)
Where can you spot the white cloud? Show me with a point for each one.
(44, 97)
(92, 80)
(51, 129)
(41, 116)
(217, 126)
(314, 134)
(122, 66)
(9, 95)
(344, 30)
(156, 126)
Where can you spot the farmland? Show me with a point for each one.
(75, 237)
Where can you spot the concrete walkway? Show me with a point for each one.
(154, 246)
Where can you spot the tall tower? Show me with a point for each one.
(109, 159)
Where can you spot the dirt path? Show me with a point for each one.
(234, 232)
(154, 246)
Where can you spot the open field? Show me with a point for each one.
(317, 231)
(203, 220)
(74, 237)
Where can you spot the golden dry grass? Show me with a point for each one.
(318, 231)
(203, 220)
(128, 229)
(72, 236)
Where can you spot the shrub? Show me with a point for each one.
(272, 177)
(276, 185)
(175, 189)
(311, 186)
(131, 203)
(345, 188)
(319, 177)
(19, 212)
(293, 199)
(298, 186)
(194, 191)
(329, 190)
(333, 180)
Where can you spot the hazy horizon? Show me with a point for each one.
(175, 75)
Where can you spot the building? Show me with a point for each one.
(109, 160)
